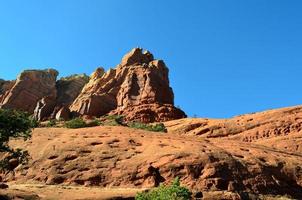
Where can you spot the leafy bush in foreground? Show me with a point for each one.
(76, 123)
(149, 127)
(14, 124)
(172, 192)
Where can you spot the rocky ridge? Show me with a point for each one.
(138, 88)
(29, 88)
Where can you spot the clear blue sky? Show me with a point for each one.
(225, 57)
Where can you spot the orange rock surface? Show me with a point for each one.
(249, 154)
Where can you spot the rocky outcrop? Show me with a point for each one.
(63, 114)
(68, 88)
(149, 113)
(4, 87)
(56, 105)
(45, 108)
(138, 88)
(29, 88)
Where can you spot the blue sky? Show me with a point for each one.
(225, 57)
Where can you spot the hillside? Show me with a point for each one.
(251, 154)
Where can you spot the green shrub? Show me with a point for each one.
(51, 123)
(93, 123)
(172, 192)
(76, 123)
(149, 127)
(14, 124)
(116, 119)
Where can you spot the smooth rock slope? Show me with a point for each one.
(208, 160)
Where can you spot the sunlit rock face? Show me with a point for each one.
(138, 88)
(29, 88)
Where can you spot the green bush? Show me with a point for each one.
(76, 123)
(93, 123)
(14, 124)
(115, 120)
(51, 123)
(172, 192)
(149, 127)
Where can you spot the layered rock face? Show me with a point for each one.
(138, 89)
(29, 88)
(4, 87)
(69, 88)
(56, 106)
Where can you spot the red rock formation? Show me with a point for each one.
(4, 87)
(68, 88)
(65, 92)
(63, 113)
(30, 87)
(45, 107)
(138, 88)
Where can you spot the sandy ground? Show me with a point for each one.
(55, 192)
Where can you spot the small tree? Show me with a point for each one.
(14, 124)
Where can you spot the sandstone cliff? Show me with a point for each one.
(137, 88)
(67, 89)
(30, 87)
(5, 86)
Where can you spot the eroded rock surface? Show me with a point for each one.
(29, 88)
(55, 106)
(5, 86)
(137, 88)
(68, 88)
(125, 157)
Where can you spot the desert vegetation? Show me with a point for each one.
(75, 123)
(166, 192)
(109, 120)
(14, 124)
(159, 127)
